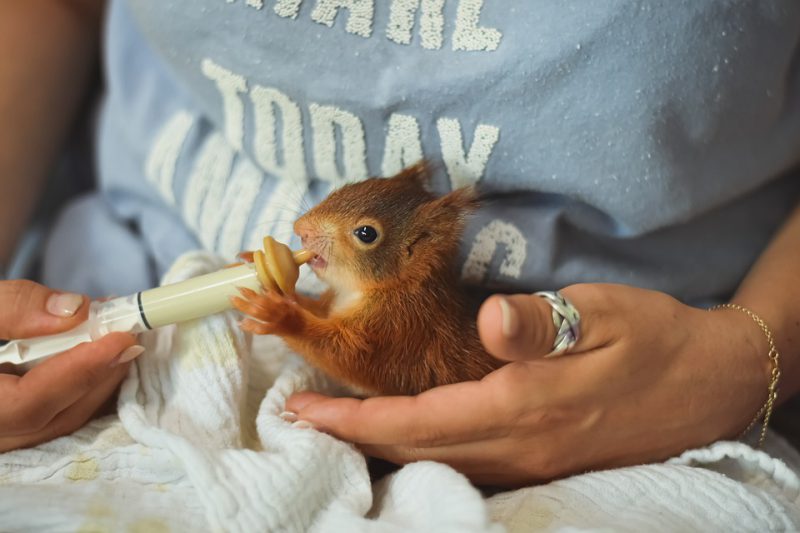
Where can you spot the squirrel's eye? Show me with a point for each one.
(366, 234)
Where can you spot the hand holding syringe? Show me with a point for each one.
(276, 267)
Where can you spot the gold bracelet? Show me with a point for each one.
(774, 356)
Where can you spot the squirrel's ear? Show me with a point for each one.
(442, 220)
(462, 200)
(419, 173)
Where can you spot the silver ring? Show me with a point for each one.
(566, 319)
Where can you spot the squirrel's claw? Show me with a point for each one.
(256, 328)
(246, 256)
(268, 309)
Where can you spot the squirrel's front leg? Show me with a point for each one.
(271, 313)
(321, 340)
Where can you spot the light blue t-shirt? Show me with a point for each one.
(639, 142)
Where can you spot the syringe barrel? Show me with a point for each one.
(185, 300)
(178, 302)
(196, 297)
(118, 314)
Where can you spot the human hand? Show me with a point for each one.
(649, 378)
(62, 393)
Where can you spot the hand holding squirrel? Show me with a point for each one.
(649, 378)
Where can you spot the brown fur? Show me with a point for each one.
(411, 329)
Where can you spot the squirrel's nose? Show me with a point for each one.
(303, 229)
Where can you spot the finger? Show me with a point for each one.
(72, 417)
(466, 457)
(9, 368)
(300, 400)
(520, 327)
(428, 419)
(516, 327)
(530, 455)
(60, 381)
(497, 462)
(28, 309)
(503, 461)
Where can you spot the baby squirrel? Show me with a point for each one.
(394, 320)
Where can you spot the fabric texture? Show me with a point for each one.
(614, 141)
(198, 445)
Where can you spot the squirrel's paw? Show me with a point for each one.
(270, 312)
(246, 256)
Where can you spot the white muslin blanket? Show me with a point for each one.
(198, 445)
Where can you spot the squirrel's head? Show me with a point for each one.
(383, 229)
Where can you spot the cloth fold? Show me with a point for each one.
(198, 445)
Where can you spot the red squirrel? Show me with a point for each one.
(394, 320)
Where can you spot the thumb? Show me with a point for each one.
(28, 309)
(516, 327)
(520, 327)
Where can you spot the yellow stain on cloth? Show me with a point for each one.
(148, 525)
(99, 519)
(83, 469)
(113, 436)
(200, 344)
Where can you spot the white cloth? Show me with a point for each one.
(198, 446)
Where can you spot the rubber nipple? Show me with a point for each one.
(278, 267)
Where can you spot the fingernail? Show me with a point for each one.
(303, 424)
(64, 304)
(129, 354)
(510, 318)
(288, 416)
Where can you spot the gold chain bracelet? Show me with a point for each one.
(774, 356)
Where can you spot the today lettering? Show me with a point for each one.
(338, 143)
